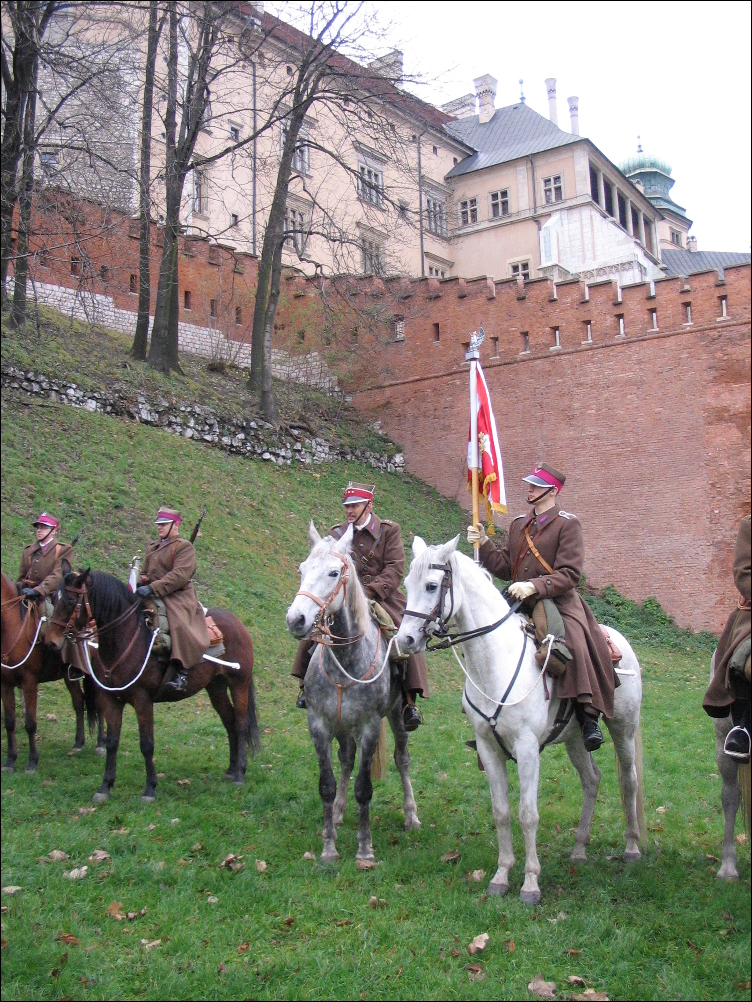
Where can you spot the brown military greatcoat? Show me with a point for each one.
(41, 567)
(721, 691)
(168, 568)
(379, 558)
(557, 536)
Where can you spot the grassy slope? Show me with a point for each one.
(664, 928)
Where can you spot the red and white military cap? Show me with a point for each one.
(168, 515)
(545, 476)
(358, 493)
(48, 520)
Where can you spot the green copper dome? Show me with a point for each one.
(654, 177)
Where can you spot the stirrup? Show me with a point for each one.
(413, 721)
(743, 734)
(180, 682)
(594, 739)
(300, 702)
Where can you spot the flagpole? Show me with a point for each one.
(472, 357)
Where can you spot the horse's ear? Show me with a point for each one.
(345, 540)
(83, 576)
(419, 546)
(313, 534)
(65, 567)
(443, 553)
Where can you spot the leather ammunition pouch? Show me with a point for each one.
(155, 614)
(215, 634)
(546, 621)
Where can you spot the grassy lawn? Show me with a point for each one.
(662, 928)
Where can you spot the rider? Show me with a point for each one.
(729, 689)
(379, 558)
(41, 572)
(168, 567)
(543, 555)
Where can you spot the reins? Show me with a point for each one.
(321, 632)
(366, 679)
(24, 626)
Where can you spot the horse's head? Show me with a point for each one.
(327, 580)
(432, 598)
(71, 607)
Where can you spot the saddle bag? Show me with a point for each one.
(613, 650)
(215, 634)
(547, 620)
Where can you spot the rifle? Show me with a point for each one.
(77, 537)
(197, 526)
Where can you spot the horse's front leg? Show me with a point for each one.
(528, 768)
(322, 742)
(145, 715)
(77, 698)
(369, 739)
(30, 690)
(113, 711)
(402, 761)
(9, 709)
(590, 779)
(346, 756)
(495, 767)
(730, 798)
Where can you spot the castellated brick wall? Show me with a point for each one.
(648, 413)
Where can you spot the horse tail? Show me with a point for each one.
(744, 786)
(640, 800)
(90, 700)
(251, 722)
(378, 763)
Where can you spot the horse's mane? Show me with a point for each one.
(457, 560)
(108, 597)
(357, 602)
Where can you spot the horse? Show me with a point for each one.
(27, 662)
(126, 671)
(506, 700)
(347, 692)
(735, 780)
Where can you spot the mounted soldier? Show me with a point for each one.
(543, 555)
(41, 573)
(168, 567)
(729, 690)
(379, 558)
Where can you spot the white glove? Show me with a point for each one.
(476, 535)
(522, 589)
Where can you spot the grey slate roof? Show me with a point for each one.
(513, 132)
(684, 262)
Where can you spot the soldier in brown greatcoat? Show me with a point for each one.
(729, 689)
(379, 558)
(168, 567)
(543, 556)
(41, 572)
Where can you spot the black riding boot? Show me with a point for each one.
(180, 682)
(737, 743)
(410, 716)
(301, 700)
(592, 737)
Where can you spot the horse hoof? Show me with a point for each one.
(579, 855)
(365, 862)
(31, 768)
(412, 822)
(329, 857)
(498, 889)
(75, 750)
(239, 780)
(8, 767)
(100, 797)
(148, 798)
(337, 818)
(100, 750)
(727, 873)
(530, 897)
(632, 855)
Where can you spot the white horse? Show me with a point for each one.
(507, 702)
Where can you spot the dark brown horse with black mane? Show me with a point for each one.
(27, 662)
(126, 671)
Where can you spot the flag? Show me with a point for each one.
(491, 473)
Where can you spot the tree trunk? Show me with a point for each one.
(18, 315)
(267, 393)
(138, 350)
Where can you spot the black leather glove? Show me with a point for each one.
(143, 591)
(30, 593)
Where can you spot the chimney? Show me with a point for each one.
(460, 107)
(574, 114)
(389, 66)
(691, 244)
(485, 88)
(551, 89)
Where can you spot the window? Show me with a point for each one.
(213, 308)
(688, 308)
(104, 273)
(43, 256)
(436, 216)
(499, 203)
(654, 318)
(436, 332)
(373, 256)
(588, 333)
(546, 244)
(75, 265)
(398, 328)
(186, 300)
(235, 133)
(724, 305)
(495, 343)
(520, 268)
(607, 194)
(435, 272)
(200, 193)
(676, 237)
(238, 316)
(436, 151)
(371, 185)
(456, 161)
(295, 234)
(620, 318)
(552, 190)
(469, 212)
(48, 161)
(593, 183)
(133, 284)
(234, 219)
(557, 341)
(525, 342)
(301, 157)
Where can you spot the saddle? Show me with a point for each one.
(546, 620)
(155, 614)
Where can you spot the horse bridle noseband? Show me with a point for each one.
(77, 635)
(436, 624)
(321, 632)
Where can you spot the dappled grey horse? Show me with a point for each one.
(349, 687)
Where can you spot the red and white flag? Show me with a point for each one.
(491, 471)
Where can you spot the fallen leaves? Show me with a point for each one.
(741, 838)
(99, 856)
(150, 944)
(67, 938)
(374, 902)
(221, 969)
(232, 862)
(365, 864)
(184, 782)
(543, 989)
(343, 922)
(573, 953)
(244, 947)
(46, 782)
(120, 831)
(212, 899)
(510, 946)
(450, 857)
(12, 889)
(260, 865)
(561, 917)
(478, 944)
(86, 810)
(661, 810)
(52, 718)
(475, 972)
(477, 875)
(309, 855)
(115, 910)
(576, 980)
(77, 873)
(592, 996)
(57, 855)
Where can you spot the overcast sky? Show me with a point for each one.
(677, 75)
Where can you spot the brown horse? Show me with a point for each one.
(25, 664)
(125, 670)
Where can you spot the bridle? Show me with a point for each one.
(436, 624)
(321, 632)
(23, 628)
